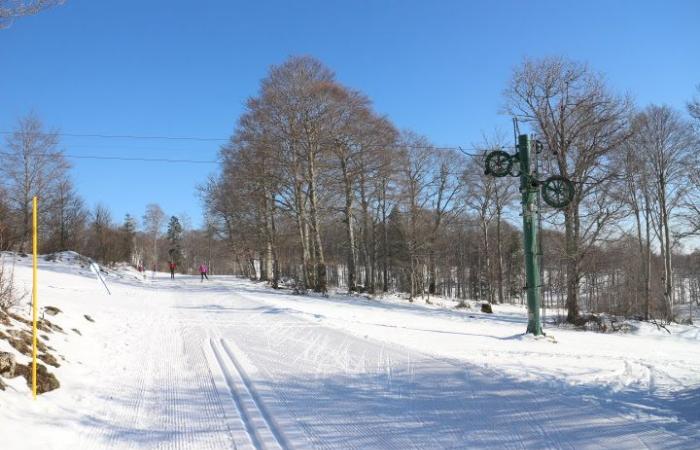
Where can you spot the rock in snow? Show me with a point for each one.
(7, 364)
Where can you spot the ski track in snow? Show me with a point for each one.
(332, 370)
(190, 365)
(172, 402)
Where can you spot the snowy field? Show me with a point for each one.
(232, 364)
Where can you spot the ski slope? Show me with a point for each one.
(231, 364)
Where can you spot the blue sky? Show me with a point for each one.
(185, 68)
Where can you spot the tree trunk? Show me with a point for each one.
(321, 279)
(273, 244)
(351, 257)
(642, 256)
(487, 257)
(269, 253)
(303, 233)
(413, 279)
(647, 277)
(263, 263)
(572, 272)
(369, 275)
(667, 254)
(373, 265)
(499, 256)
(385, 237)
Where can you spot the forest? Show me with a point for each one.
(315, 190)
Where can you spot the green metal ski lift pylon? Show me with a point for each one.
(557, 191)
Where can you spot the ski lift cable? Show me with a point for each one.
(472, 151)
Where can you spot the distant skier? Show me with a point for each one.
(172, 267)
(203, 269)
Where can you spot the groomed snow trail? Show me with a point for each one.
(324, 388)
(221, 365)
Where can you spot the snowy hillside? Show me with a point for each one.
(229, 363)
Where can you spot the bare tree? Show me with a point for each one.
(385, 186)
(480, 192)
(153, 221)
(636, 188)
(667, 144)
(581, 123)
(693, 203)
(300, 101)
(445, 186)
(378, 139)
(694, 106)
(235, 204)
(488, 198)
(102, 242)
(416, 171)
(66, 218)
(13, 9)
(357, 147)
(32, 166)
(303, 127)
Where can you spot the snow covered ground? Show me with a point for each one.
(233, 364)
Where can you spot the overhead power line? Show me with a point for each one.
(130, 136)
(127, 158)
(471, 151)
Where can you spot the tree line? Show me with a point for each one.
(32, 164)
(317, 189)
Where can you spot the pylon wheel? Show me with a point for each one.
(515, 170)
(557, 191)
(498, 163)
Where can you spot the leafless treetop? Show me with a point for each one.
(12, 9)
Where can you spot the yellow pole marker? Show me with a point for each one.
(34, 296)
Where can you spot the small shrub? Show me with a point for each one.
(7, 364)
(8, 292)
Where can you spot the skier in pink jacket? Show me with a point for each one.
(203, 269)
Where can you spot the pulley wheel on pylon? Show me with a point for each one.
(515, 170)
(498, 163)
(557, 191)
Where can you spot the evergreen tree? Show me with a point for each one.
(128, 234)
(174, 236)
